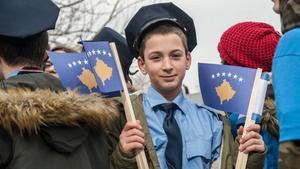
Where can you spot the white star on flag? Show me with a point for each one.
(223, 74)
(74, 63)
(104, 52)
(213, 76)
(89, 53)
(94, 52)
(218, 74)
(86, 62)
(99, 52)
(79, 62)
(240, 79)
(70, 65)
(235, 76)
(109, 54)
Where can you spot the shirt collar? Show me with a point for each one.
(26, 69)
(155, 98)
(12, 73)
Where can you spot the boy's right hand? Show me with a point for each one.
(132, 137)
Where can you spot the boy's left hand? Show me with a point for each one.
(252, 141)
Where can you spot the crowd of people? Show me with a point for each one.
(44, 126)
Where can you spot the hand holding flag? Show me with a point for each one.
(222, 88)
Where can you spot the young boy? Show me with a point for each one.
(181, 134)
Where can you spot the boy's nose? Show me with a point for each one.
(167, 63)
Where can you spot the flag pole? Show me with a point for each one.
(242, 157)
(130, 116)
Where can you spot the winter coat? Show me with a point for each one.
(40, 128)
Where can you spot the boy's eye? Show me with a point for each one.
(176, 55)
(155, 57)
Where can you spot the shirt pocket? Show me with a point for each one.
(198, 148)
(159, 142)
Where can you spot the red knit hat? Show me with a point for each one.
(249, 44)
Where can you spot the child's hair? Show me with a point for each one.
(29, 51)
(162, 29)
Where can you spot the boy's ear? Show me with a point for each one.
(141, 64)
(188, 60)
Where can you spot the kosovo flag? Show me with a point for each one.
(104, 66)
(74, 71)
(226, 88)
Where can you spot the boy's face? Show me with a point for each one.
(165, 61)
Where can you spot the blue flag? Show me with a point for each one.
(226, 88)
(104, 66)
(92, 71)
(74, 71)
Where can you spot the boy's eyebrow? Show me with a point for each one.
(155, 52)
(159, 52)
(175, 50)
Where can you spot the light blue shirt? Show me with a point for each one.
(201, 130)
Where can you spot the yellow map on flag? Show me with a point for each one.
(88, 79)
(103, 71)
(225, 91)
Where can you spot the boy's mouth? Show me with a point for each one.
(168, 77)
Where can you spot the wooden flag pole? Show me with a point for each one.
(140, 157)
(242, 157)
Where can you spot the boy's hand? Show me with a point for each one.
(132, 137)
(252, 141)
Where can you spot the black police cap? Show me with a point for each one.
(150, 16)
(23, 19)
(110, 35)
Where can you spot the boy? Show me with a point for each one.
(184, 135)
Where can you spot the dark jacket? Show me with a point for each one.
(46, 129)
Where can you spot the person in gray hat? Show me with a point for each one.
(179, 134)
(41, 126)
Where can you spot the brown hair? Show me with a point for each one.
(162, 29)
(29, 51)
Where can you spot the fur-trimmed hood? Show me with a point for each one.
(269, 118)
(28, 111)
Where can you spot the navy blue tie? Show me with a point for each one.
(173, 151)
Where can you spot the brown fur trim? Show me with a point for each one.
(27, 110)
(269, 118)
